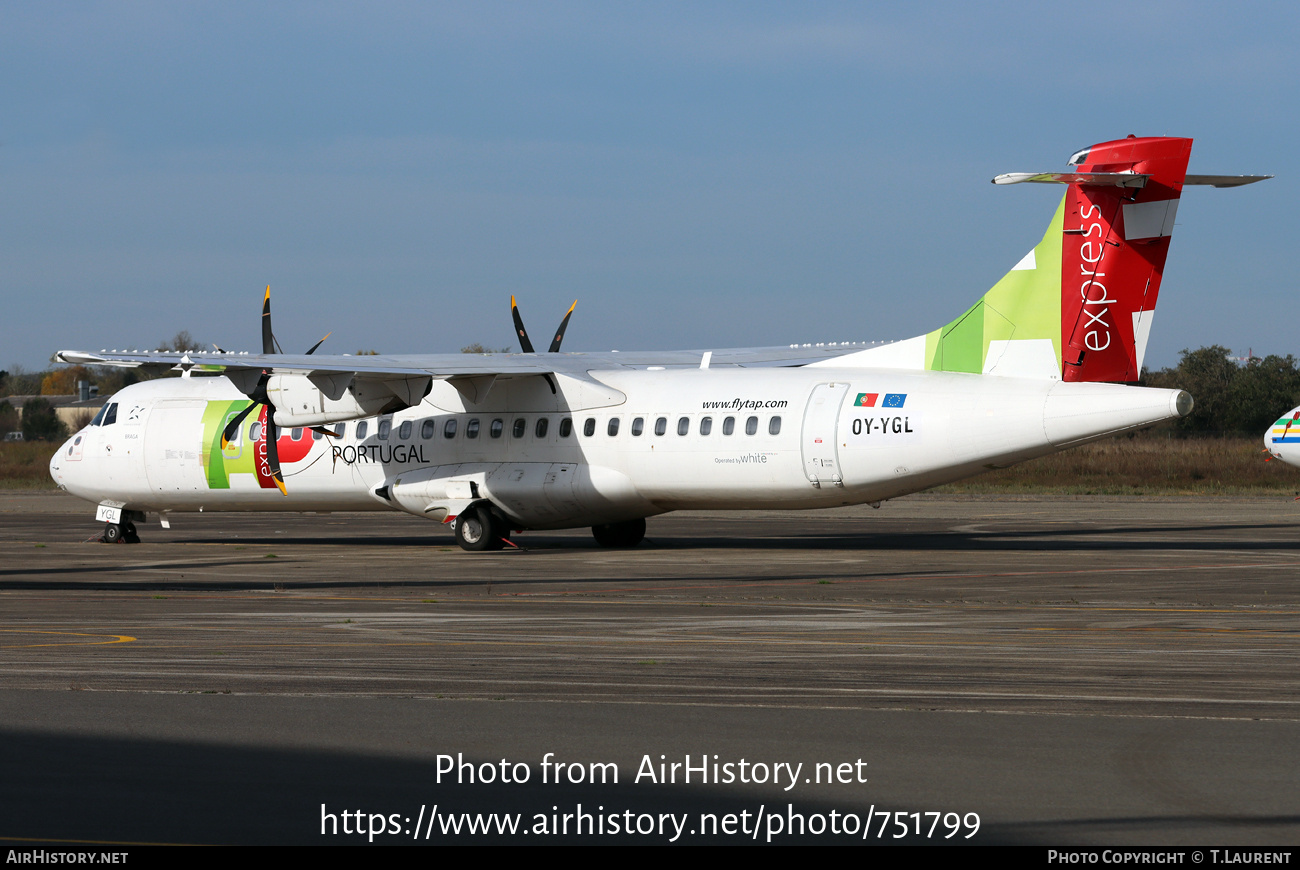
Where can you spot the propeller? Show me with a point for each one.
(524, 343)
(559, 333)
(527, 346)
(271, 436)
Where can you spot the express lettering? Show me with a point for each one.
(1092, 292)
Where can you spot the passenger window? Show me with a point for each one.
(296, 433)
(317, 435)
(683, 425)
(706, 425)
(589, 428)
(385, 426)
(543, 423)
(774, 426)
(362, 428)
(751, 426)
(404, 431)
(566, 427)
(661, 425)
(255, 431)
(110, 417)
(498, 426)
(342, 430)
(449, 428)
(612, 428)
(471, 428)
(520, 427)
(728, 425)
(638, 425)
(426, 429)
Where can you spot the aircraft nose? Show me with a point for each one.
(57, 462)
(62, 463)
(1280, 438)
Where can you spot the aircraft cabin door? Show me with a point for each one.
(820, 420)
(173, 441)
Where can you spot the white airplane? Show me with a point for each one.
(1283, 438)
(498, 443)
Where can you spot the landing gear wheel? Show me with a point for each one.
(625, 534)
(478, 530)
(128, 533)
(112, 533)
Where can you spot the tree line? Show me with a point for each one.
(1231, 398)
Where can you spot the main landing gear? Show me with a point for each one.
(120, 533)
(625, 534)
(478, 529)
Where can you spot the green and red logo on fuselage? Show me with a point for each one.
(246, 454)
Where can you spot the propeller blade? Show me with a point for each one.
(272, 436)
(268, 340)
(228, 434)
(330, 432)
(559, 333)
(318, 344)
(524, 344)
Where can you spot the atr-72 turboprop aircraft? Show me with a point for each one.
(497, 443)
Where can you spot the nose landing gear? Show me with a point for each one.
(120, 533)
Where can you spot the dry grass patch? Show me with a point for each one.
(1147, 465)
(26, 464)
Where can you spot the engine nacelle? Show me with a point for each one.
(320, 398)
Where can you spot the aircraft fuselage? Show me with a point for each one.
(616, 446)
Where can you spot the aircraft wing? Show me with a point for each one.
(453, 365)
(318, 389)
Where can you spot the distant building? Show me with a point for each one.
(73, 410)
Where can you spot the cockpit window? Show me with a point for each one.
(100, 416)
(110, 415)
(1078, 157)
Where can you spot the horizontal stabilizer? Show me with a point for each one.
(1224, 180)
(1121, 179)
(1108, 179)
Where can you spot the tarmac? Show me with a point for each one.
(1066, 672)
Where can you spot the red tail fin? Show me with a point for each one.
(1116, 237)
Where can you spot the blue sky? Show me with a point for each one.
(696, 175)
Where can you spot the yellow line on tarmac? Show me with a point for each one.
(116, 638)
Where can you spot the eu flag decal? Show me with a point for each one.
(866, 400)
(894, 400)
